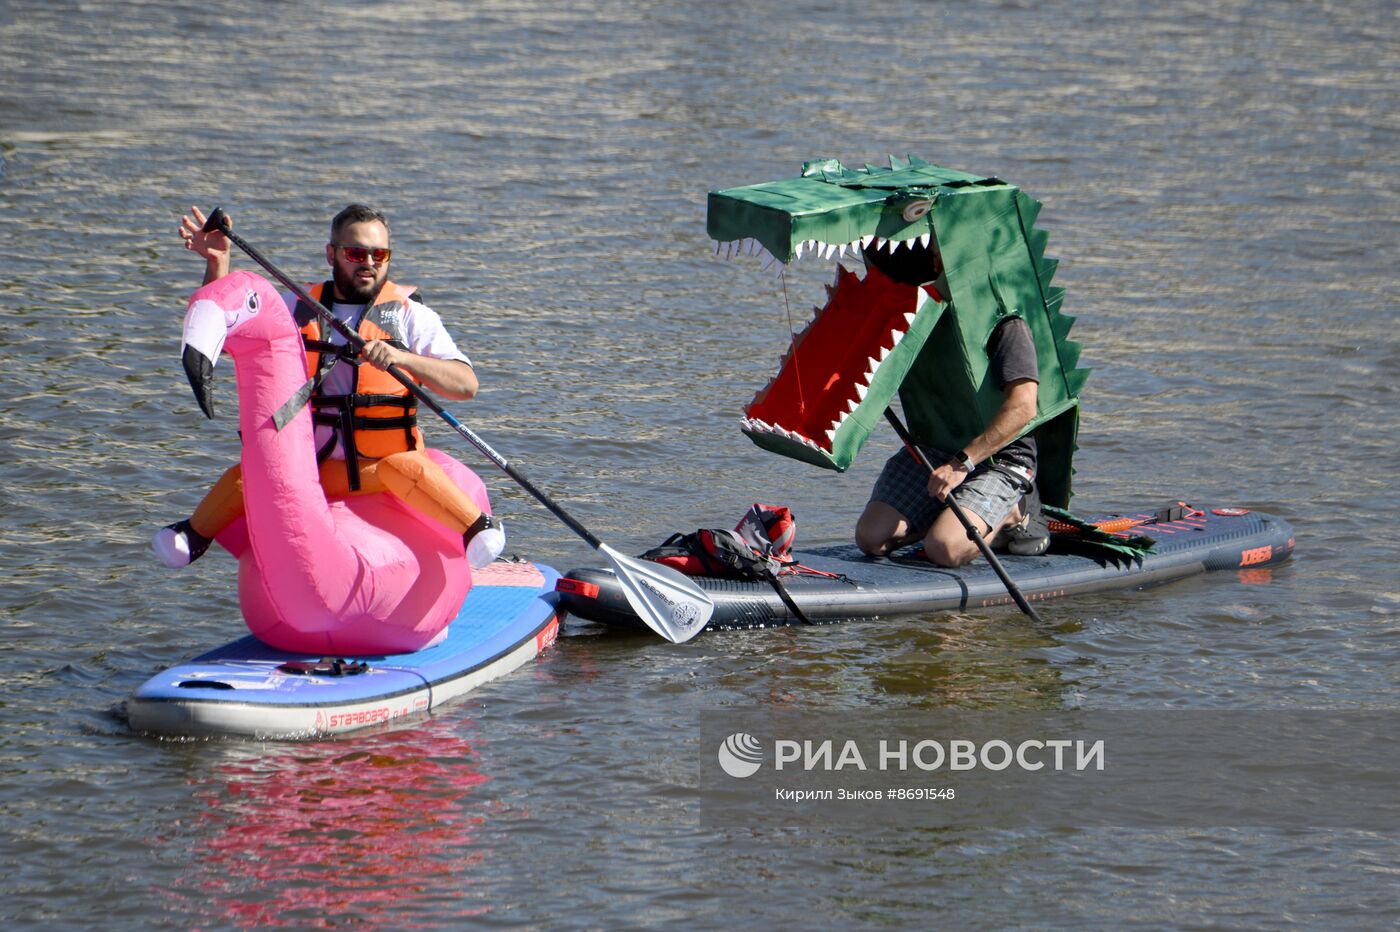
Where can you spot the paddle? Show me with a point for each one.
(671, 605)
(961, 515)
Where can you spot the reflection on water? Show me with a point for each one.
(332, 834)
(949, 660)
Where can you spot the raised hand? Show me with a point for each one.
(213, 246)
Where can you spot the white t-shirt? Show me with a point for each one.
(422, 330)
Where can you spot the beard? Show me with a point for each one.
(355, 291)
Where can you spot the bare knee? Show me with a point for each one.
(871, 544)
(873, 540)
(946, 553)
(881, 530)
(949, 547)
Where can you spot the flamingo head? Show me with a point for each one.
(215, 312)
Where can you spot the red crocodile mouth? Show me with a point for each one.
(829, 370)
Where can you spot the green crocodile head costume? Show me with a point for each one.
(881, 335)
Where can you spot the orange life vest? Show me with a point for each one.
(380, 416)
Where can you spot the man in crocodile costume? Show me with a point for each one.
(954, 264)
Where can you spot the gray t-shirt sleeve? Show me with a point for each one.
(1011, 350)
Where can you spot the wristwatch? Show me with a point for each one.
(964, 461)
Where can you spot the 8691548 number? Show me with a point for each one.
(930, 793)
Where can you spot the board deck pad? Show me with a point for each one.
(1207, 538)
(247, 688)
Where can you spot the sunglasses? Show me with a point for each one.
(364, 253)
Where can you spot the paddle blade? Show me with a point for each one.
(672, 605)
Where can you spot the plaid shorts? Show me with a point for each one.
(990, 492)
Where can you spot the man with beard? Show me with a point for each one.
(366, 430)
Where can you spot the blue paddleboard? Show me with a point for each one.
(249, 689)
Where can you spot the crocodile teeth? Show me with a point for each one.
(758, 426)
(752, 247)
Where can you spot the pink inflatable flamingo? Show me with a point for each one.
(360, 575)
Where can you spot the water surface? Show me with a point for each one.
(1220, 182)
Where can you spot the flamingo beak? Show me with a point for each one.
(206, 327)
(200, 371)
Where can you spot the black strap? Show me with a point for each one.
(283, 415)
(779, 588)
(335, 412)
(362, 400)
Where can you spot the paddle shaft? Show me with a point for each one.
(961, 515)
(218, 220)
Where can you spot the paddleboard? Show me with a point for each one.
(1204, 538)
(251, 690)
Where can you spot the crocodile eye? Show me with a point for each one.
(916, 209)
